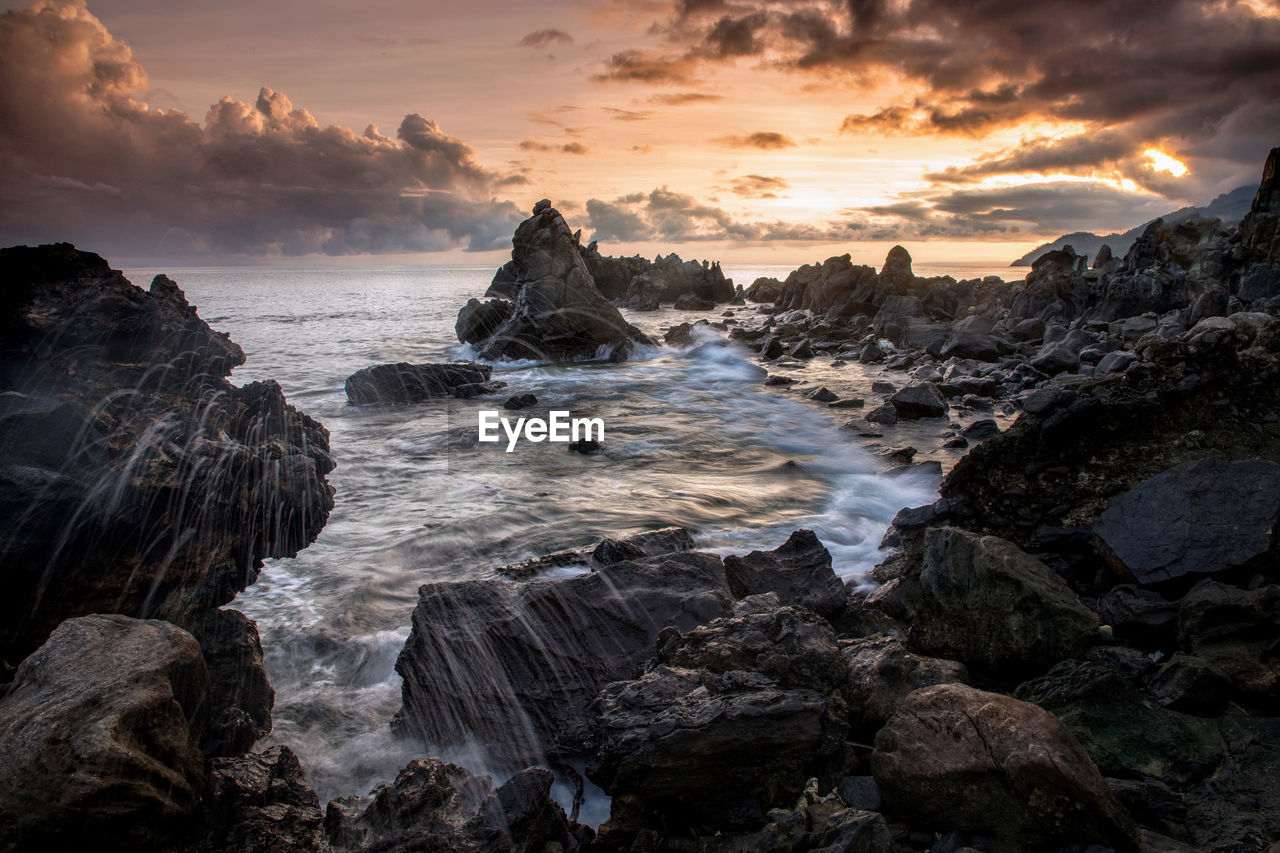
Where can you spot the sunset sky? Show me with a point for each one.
(775, 131)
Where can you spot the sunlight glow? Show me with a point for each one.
(1162, 162)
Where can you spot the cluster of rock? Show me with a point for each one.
(544, 304)
(973, 342)
(139, 492)
(643, 285)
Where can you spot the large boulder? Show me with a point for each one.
(433, 806)
(556, 313)
(478, 320)
(644, 293)
(99, 738)
(261, 804)
(728, 721)
(135, 478)
(1200, 517)
(882, 673)
(514, 667)
(1235, 630)
(413, 383)
(1055, 288)
(919, 400)
(240, 698)
(983, 601)
(799, 571)
(954, 757)
(1260, 237)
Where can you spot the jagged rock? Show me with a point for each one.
(477, 320)
(1199, 517)
(206, 479)
(1140, 615)
(433, 806)
(99, 738)
(881, 674)
(514, 667)
(645, 292)
(557, 313)
(821, 394)
(689, 302)
(520, 401)
(896, 271)
(240, 697)
(953, 757)
(1164, 268)
(919, 400)
(1191, 684)
(1055, 287)
(1260, 237)
(971, 338)
(414, 383)
(771, 348)
(728, 721)
(803, 349)
(651, 543)
(261, 804)
(983, 601)
(1235, 630)
(764, 289)
(799, 571)
(834, 286)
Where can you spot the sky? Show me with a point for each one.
(773, 131)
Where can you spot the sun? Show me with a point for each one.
(1158, 161)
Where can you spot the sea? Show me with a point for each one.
(692, 438)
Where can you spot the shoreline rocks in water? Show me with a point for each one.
(553, 311)
(415, 383)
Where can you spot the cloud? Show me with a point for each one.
(629, 115)
(533, 145)
(82, 159)
(765, 140)
(575, 148)
(678, 99)
(542, 38)
(757, 186)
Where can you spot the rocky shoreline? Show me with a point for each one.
(1075, 647)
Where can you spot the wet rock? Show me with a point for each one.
(1260, 236)
(764, 289)
(798, 570)
(651, 543)
(261, 804)
(689, 302)
(971, 338)
(206, 479)
(556, 314)
(885, 414)
(520, 401)
(477, 389)
(585, 446)
(727, 722)
(645, 292)
(772, 348)
(953, 757)
(981, 429)
(859, 792)
(1055, 287)
(881, 674)
(434, 806)
(99, 738)
(682, 335)
(821, 394)
(1200, 517)
(920, 400)
(477, 321)
(241, 697)
(413, 383)
(775, 379)
(802, 350)
(515, 666)
(985, 602)
(1116, 362)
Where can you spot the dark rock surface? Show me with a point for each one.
(921, 400)
(261, 804)
(99, 738)
(414, 383)
(1200, 517)
(651, 543)
(958, 758)
(109, 389)
(556, 313)
(881, 675)
(799, 571)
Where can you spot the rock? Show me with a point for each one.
(433, 806)
(871, 354)
(689, 302)
(885, 414)
(953, 757)
(1140, 615)
(477, 321)
(99, 738)
(1235, 631)
(107, 389)
(1260, 236)
(986, 603)
(881, 674)
(683, 335)
(520, 401)
(1199, 517)
(729, 720)
(798, 570)
(764, 289)
(772, 348)
(645, 292)
(556, 314)
(514, 667)
(651, 543)
(821, 394)
(261, 804)
(847, 403)
(477, 389)
(240, 697)
(1116, 362)
(1191, 684)
(981, 429)
(775, 379)
(802, 350)
(896, 272)
(971, 338)
(1055, 287)
(859, 792)
(413, 383)
(920, 400)
(585, 446)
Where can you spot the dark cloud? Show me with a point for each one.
(678, 99)
(628, 115)
(1195, 76)
(82, 159)
(575, 148)
(533, 145)
(766, 140)
(757, 186)
(542, 38)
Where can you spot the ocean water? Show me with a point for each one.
(692, 438)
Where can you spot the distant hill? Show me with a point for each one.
(1229, 207)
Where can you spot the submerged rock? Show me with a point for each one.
(99, 738)
(556, 313)
(954, 757)
(414, 383)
